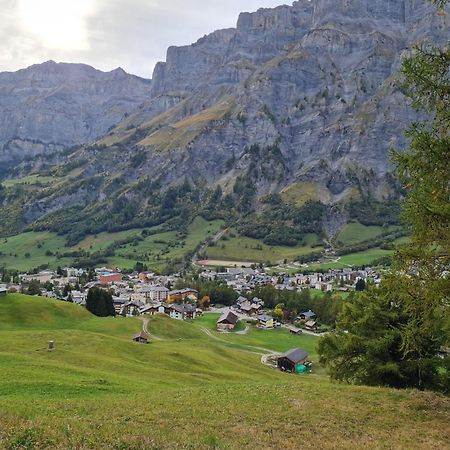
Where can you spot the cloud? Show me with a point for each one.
(133, 34)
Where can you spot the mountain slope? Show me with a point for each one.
(300, 100)
(51, 106)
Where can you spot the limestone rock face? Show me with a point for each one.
(50, 106)
(318, 79)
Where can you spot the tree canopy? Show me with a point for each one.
(100, 302)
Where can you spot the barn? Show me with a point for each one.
(292, 360)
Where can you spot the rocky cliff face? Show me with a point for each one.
(301, 100)
(317, 79)
(52, 106)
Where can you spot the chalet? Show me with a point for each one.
(227, 321)
(255, 308)
(265, 322)
(311, 325)
(250, 308)
(141, 338)
(182, 311)
(307, 315)
(131, 308)
(245, 307)
(154, 293)
(292, 360)
(257, 301)
(78, 298)
(151, 310)
(181, 295)
(145, 276)
(118, 303)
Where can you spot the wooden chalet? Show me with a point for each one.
(311, 325)
(227, 321)
(292, 359)
(294, 330)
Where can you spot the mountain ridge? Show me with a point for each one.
(302, 101)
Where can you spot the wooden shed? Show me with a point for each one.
(141, 338)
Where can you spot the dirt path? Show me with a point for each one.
(270, 360)
(145, 330)
(245, 331)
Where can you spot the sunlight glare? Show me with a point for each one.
(58, 24)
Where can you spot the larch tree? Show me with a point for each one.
(391, 335)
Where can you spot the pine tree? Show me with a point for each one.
(391, 335)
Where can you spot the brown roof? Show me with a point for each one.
(295, 355)
(141, 335)
(228, 316)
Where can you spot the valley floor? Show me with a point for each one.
(99, 390)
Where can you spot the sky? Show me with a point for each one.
(106, 34)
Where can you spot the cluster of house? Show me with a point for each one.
(254, 310)
(244, 279)
(135, 294)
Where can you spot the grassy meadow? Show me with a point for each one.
(241, 248)
(99, 390)
(34, 249)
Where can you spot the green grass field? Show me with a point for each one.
(355, 232)
(29, 180)
(158, 249)
(99, 390)
(29, 250)
(240, 248)
(354, 259)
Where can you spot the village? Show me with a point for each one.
(146, 293)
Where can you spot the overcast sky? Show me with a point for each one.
(132, 34)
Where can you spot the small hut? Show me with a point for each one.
(141, 338)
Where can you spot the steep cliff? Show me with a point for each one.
(51, 106)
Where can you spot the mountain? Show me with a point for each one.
(50, 106)
(300, 101)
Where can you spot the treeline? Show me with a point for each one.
(372, 212)
(385, 241)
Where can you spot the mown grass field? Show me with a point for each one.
(99, 390)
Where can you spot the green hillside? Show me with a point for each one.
(29, 250)
(240, 248)
(98, 389)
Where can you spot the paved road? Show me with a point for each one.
(216, 238)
